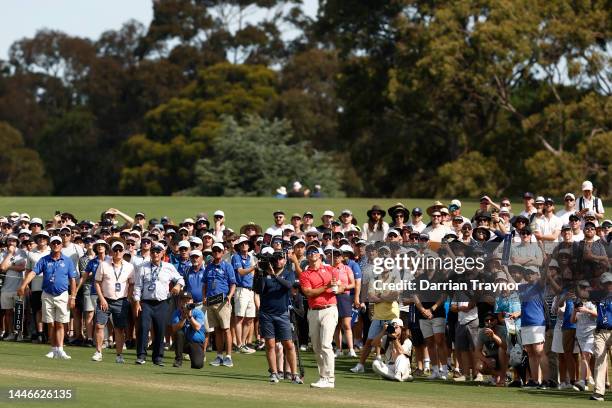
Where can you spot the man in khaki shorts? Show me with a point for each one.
(218, 288)
(59, 276)
(244, 302)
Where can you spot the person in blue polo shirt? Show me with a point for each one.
(603, 336)
(59, 276)
(188, 329)
(244, 303)
(181, 262)
(194, 279)
(218, 289)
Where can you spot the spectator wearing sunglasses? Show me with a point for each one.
(59, 293)
(219, 217)
(569, 201)
(114, 284)
(151, 294)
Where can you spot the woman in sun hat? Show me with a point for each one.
(375, 229)
(400, 215)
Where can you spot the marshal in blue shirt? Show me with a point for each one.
(238, 262)
(219, 278)
(191, 335)
(56, 273)
(194, 279)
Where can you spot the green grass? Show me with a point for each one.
(107, 384)
(238, 210)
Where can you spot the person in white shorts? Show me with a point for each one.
(12, 262)
(244, 301)
(59, 279)
(585, 317)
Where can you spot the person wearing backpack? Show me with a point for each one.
(588, 202)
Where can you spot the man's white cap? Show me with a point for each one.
(328, 213)
(195, 240)
(455, 202)
(330, 248)
(196, 252)
(570, 195)
(504, 210)
(242, 239)
(159, 245)
(136, 233)
(606, 277)
(297, 185)
(312, 230)
(41, 234)
(346, 248)
(116, 244)
(184, 244)
(218, 245)
(267, 251)
(298, 242)
(188, 220)
(220, 213)
(24, 216)
(288, 227)
(398, 322)
(587, 185)
(208, 234)
(54, 239)
(539, 199)
(609, 222)
(14, 215)
(25, 231)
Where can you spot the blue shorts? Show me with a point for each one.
(273, 326)
(119, 309)
(345, 305)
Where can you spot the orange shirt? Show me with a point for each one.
(318, 278)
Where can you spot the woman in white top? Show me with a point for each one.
(375, 229)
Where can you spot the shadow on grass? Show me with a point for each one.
(215, 374)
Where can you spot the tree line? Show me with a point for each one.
(368, 98)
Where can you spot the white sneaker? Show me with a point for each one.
(434, 375)
(50, 354)
(119, 359)
(227, 361)
(61, 354)
(11, 337)
(97, 356)
(359, 368)
(323, 383)
(352, 353)
(479, 378)
(338, 353)
(303, 347)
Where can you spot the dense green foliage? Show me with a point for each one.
(409, 97)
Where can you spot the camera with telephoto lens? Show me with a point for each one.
(190, 306)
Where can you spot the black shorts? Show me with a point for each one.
(417, 335)
(345, 305)
(35, 301)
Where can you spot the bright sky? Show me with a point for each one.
(84, 18)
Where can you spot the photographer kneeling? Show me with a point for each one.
(273, 284)
(188, 329)
(396, 348)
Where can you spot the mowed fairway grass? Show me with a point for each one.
(107, 384)
(238, 210)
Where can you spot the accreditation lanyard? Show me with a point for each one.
(117, 276)
(154, 275)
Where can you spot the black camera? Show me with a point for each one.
(391, 330)
(190, 306)
(577, 304)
